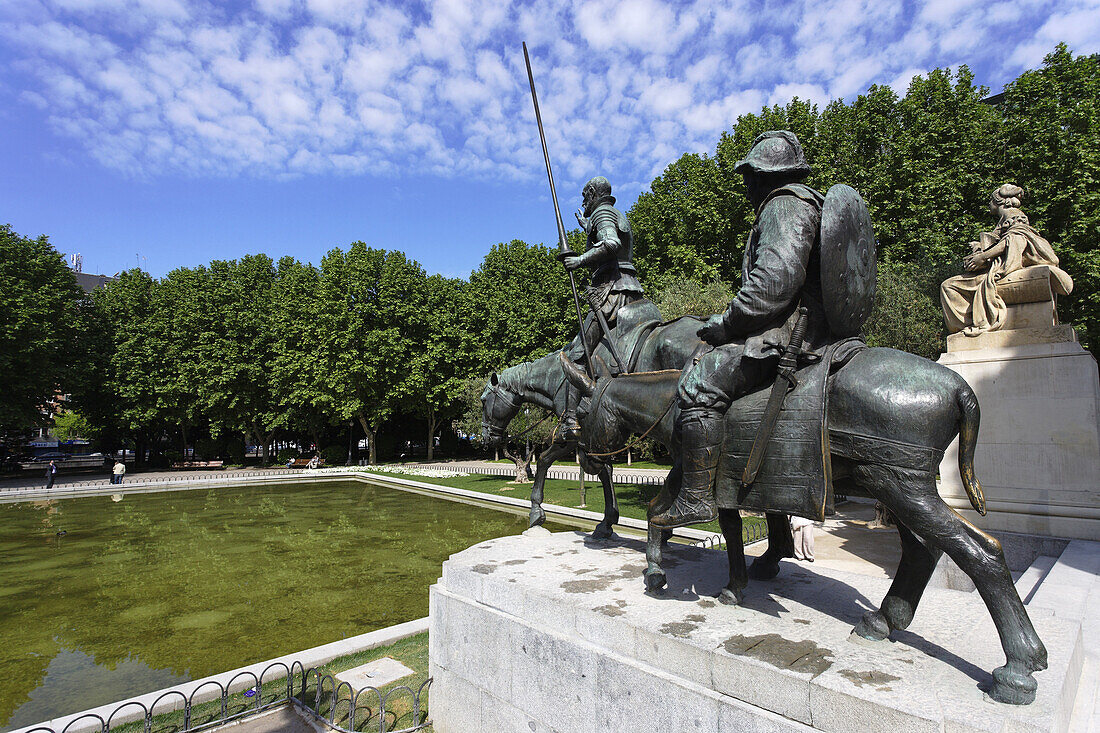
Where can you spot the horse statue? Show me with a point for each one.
(651, 345)
(541, 383)
(888, 417)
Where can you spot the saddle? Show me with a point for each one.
(796, 474)
(634, 322)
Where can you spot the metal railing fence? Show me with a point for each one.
(381, 711)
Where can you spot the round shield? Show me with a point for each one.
(849, 264)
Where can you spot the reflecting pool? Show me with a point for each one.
(104, 599)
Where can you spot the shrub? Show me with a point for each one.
(334, 455)
(287, 454)
(206, 449)
(234, 451)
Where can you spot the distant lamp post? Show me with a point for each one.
(351, 438)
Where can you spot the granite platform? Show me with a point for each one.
(554, 633)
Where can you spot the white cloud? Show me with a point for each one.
(285, 87)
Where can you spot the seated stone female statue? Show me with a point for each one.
(971, 303)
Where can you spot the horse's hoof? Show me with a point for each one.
(731, 597)
(602, 531)
(654, 580)
(873, 626)
(1012, 686)
(1035, 654)
(762, 569)
(538, 516)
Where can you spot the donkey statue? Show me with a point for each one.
(888, 417)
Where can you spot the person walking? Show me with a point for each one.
(803, 531)
(118, 473)
(51, 473)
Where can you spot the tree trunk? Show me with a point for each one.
(265, 443)
(183, 434)
(883, 518)
(372, 448)
(431, 433)
(521, 464)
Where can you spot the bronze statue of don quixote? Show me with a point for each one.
(764, 406)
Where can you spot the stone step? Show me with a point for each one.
(1086, 715)
(1029, 582)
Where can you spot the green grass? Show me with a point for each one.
(413, 652)
(619, 465)
(633, 498)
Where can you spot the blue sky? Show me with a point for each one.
(168, 133)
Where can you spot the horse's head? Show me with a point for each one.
(498, 407)
(601, 429)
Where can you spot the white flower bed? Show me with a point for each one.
(405, 470)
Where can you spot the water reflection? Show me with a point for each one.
(100, 599)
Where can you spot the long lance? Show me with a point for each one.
(563, 245)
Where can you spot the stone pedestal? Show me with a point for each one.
(553, 632)
(1038, 455)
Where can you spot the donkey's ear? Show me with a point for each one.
(576, 376)
(599, 366)
(494, 379)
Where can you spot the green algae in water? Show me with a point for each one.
(162, 588)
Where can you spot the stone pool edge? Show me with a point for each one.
(314, 657)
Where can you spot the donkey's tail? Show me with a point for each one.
(969, 418)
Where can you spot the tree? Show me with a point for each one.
(237, 348)
(440, 362)
(138, 362)
(683, 297)
(1051, 147)
(684, 225)
(904, 316)
(184, 312)
(40, 304)
(298, 368)
(68, 424)
(371, 306)
(521, 306)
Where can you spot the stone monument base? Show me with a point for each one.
(1038, 453)
(553, 632)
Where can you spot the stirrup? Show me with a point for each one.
(679, 515)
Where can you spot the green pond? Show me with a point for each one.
(103, 599)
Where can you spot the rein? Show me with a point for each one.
(541, 420)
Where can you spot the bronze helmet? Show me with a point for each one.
(775, 151)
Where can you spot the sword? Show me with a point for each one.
(785, 381)
(563, 245)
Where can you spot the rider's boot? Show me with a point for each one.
(700, 448)
(569, 430)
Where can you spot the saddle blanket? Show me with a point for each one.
(796, 474)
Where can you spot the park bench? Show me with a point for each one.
(198, 464)
(304, 463)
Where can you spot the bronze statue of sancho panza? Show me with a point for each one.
(780, 273)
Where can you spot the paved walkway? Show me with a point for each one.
(845, 543)
(78, 479)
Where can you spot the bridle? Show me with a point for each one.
(500, 434)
